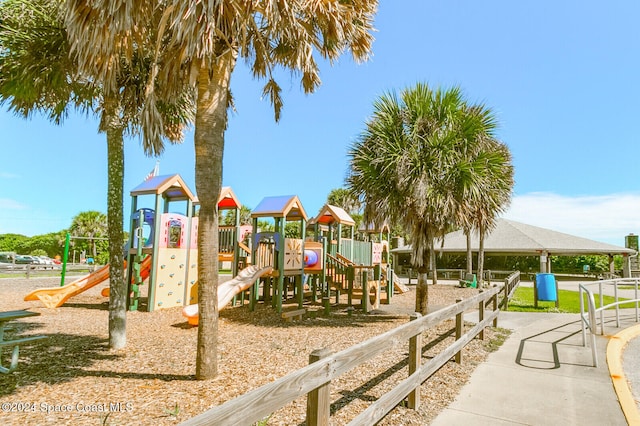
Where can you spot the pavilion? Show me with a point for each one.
(510, 238)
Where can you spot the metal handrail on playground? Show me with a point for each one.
(589, 312)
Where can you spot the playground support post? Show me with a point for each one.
(134, 293)
(279, 227)
(326, 289)
(366, 305)
(65, 258)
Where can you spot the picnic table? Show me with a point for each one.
(5, 318)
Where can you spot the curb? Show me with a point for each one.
(615, 347)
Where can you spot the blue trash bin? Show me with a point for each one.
(546, 287)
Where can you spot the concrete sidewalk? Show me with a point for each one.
(542, 375)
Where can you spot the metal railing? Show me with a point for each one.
(590, 313)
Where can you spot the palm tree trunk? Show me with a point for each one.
(422, 288)
(118, 287)
(432, 264)
(211, 123)
(467, 234)
(481, 256)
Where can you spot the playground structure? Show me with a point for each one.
(169, 238)
(317, 265)
(284, 255)
(356, 267)
(162, 250)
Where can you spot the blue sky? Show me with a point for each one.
(562, 78)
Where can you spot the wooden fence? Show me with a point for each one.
(315, 379)
(35, 271)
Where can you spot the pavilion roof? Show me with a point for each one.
(519, 239)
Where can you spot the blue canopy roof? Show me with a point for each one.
(287, 206)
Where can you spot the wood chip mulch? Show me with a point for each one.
(72, 378)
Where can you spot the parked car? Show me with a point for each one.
(24, 259)
(35, 259)
(47, 262)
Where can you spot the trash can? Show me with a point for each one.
(546, 288)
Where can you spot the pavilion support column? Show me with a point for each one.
(612, 269)
(544, 256)
(626, 267)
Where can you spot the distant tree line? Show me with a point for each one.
(90, 225)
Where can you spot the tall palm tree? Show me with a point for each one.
(204, 39)
(429, 162)
(38, 73)
(401, 165)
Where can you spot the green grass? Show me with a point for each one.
(498, 339)
(23, 274)
(522, 301)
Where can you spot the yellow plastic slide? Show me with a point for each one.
(228, 289)
(53, 297)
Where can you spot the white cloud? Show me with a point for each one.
(606, 218)
(9, 204)
(6, 175)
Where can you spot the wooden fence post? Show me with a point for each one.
(507, 290)
(319, 399)
(495, 308)
(481, 315)
(459, 321)
(415, 356)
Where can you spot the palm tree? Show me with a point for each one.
(427, 161)
(38, 73)
(400, 166)
(344, 199)
(204, 40)
(349, 202)
(90, 225)
(245, 215)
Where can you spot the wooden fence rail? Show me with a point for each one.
(510, 285)
(315, 379)
(35, 271)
